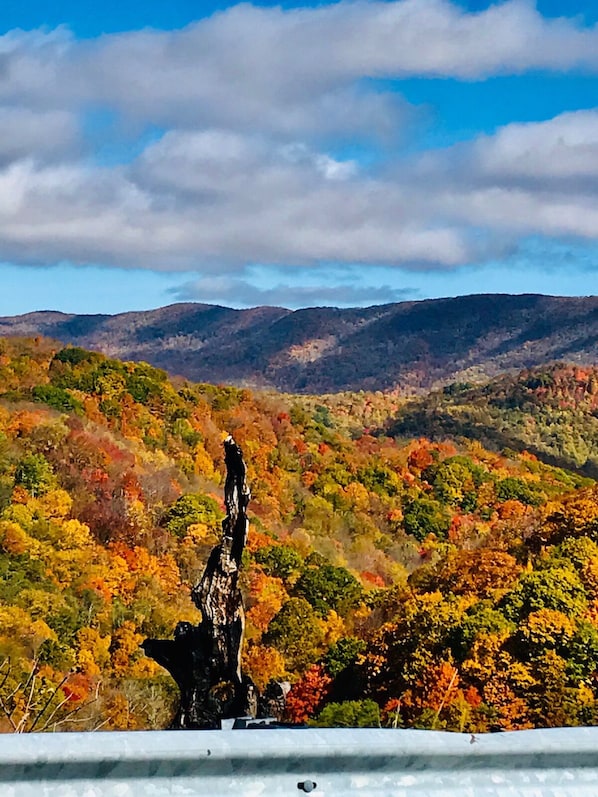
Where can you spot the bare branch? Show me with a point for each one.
(70, 714)
(32, 673)
(8, 714)
(5, 679)
(47, 703)
(27, 712)
(48, 722)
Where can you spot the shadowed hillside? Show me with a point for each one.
(410, 345)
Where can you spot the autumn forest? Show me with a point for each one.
(427, 562)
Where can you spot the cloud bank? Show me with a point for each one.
(250, 112)
(237, 291)
(291, 72)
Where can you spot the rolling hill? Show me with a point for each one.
(551, 412)
(413, 346)
(405, 583)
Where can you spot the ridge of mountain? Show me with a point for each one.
(413, 345)
(549, 411)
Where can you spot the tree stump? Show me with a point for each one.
(205, 660)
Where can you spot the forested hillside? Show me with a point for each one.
(410, 346)
(414, 583)
(551, 411)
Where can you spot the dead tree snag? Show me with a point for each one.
(205, 660)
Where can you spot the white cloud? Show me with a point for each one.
(218, 200)
(40, 134)
(240, 292)
(250, 99)
(215, 200)
(522, 212)
(290, 72)
(565, 147)
(533, 178)
(562, 150)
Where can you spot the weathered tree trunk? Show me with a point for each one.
(205, 660)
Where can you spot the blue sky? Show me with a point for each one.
(341, 154)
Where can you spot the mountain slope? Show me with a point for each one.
(411, 345)
(551, 412)
(427, 585)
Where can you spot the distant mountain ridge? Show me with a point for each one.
(411, 345)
